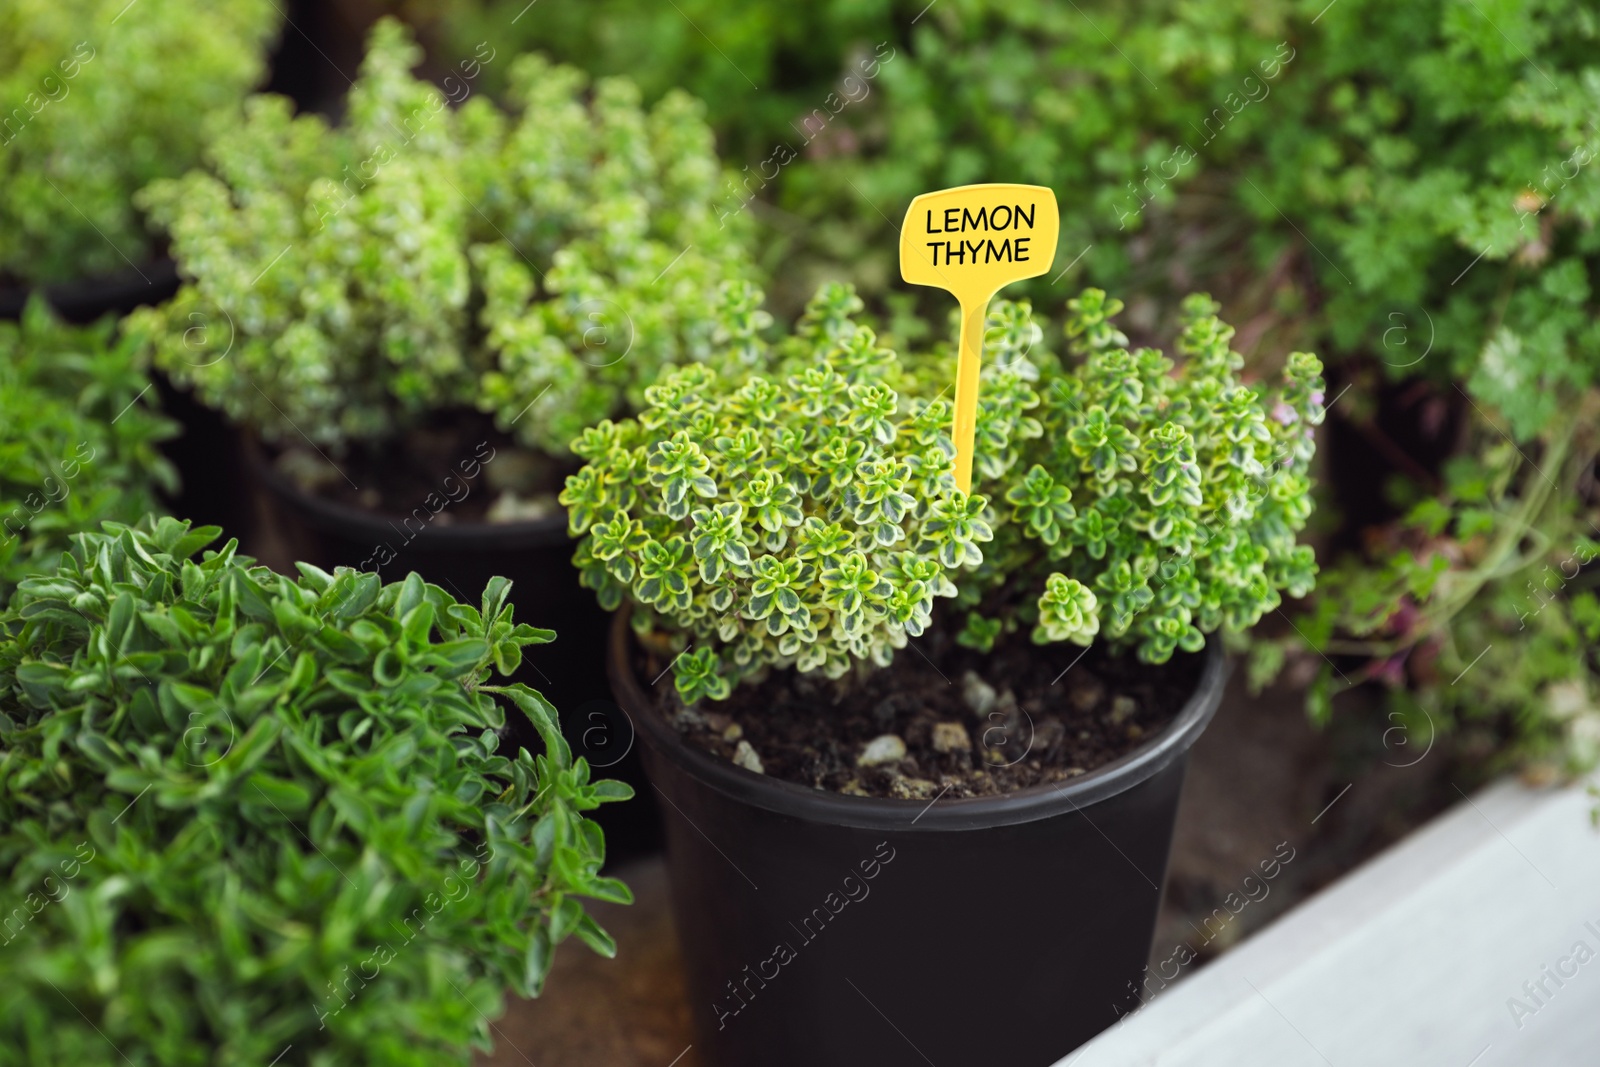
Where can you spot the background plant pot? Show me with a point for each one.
(461, 557)
(996, 930)
(212, 487)
(87, 299)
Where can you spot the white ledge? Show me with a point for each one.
(1413, 959)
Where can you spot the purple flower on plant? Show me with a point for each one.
(1284, 413)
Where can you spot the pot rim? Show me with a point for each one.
(886, 813)
(335, 517)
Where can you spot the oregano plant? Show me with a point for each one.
(809, 518)
(242, 813)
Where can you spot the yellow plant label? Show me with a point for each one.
(972, 241)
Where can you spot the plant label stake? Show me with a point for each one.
(972, 241)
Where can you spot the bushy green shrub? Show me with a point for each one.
(813, 520)
(839, 114)
(1439, 159)
(756, 65)
(1167, 498)
(242, 813)
(543, 264)
(1439, 162)
(97, 100)
(79, 436)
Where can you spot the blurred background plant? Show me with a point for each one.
(1436, 165)
(93, 106)
(79, 438)
(542, 264)
(876, 102)
(241, 811)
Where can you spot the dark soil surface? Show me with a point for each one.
(942, 719)
(459, 467)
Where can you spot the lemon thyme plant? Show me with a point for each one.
(241, 812)
(810, 519)
(79, 438)
(541, 262)
(94, 105)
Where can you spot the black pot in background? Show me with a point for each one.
(461, 558)
(86, 299)
(210, 463)
(819, 928)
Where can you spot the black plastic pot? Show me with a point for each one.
(819, 928)
(461, 557)
(87, 299)
(212, 486)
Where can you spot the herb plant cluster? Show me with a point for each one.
(1155, 502)
(810, 519)
(241, 812)
(1412, 191)
(1444, 167)
(79, 438)
(94, 104)
(542, 263)
(835, 112)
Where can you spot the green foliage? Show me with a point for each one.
(543, 263)
(1152, 504)
(240, 812)
(1478, 610)
(1441, 160)
(812, 521)
(1412, 186)
(840, 113)
(97, 101)
(808, 520)
(1424, 142)
(78, 438)
(793, 55)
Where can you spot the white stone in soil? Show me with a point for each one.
(887, 748)
(978, 694)
(746, 757)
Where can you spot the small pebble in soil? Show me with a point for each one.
(746, 757)
(1047, 734)
(951, 737)
(1087, 693)
(1135, 731)
(886, 748)
(853, 788)
(978, 694)
(1122, 709)
(913, 788)
(733, 732)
